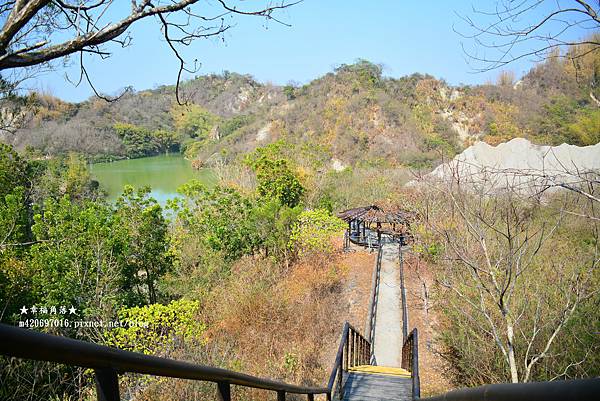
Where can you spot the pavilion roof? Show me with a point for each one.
(377, 214)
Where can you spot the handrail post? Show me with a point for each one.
(339, 386)
(107, 384)
(281, 396)
(353, 347)
(347, 346)
(311, 397)
(361, 351)
(416, 384)
(223, 391)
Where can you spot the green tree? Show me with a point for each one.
(273, 224)
(231, 125)
(139, 141)
(13, 197)
(586, 129)
(193, 120)
(290, 92)
(277, 181)
(145, 257)
(221, 218)
(75, 257)
(166, 141)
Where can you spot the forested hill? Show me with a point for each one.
(353, 114)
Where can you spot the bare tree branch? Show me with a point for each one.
(36, 32)
(528, 29)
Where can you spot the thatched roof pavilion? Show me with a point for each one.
(367, 221)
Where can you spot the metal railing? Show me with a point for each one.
(403, 290)
(410, 361)
(372, 315)
(354, 350)
(108, 363)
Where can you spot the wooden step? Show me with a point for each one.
(380, 370)
(370, 383)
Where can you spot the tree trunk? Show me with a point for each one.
(514, 376)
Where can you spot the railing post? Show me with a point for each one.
(360, 351)
(339, 386)
(347, 353)
(107, 384)
(223, 391)
(415, 366)
(352, 349)
(311, 397)
(355, 344)
(281, 396)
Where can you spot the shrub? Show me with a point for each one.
(156, 328)
(314, 230)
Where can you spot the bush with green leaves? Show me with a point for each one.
(231, 125)
(141, 141)
(219, 217)
(156, 328)
(277, 181)
(586, 128)
(194, 121)
(14, 177)
(314, 231)
(75, 257)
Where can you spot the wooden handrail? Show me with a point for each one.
(108, 362)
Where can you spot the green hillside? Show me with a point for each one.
(356, 114)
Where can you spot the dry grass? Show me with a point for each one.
(422, 314)
(280, 323)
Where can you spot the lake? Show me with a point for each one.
(164, 174)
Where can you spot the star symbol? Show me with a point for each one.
(23, 310)
(72, 310)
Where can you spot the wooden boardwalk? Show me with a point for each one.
(377, 383)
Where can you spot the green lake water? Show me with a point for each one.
(163, 174)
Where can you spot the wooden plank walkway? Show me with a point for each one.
(377, 383)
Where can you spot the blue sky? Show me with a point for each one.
(405, 36)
